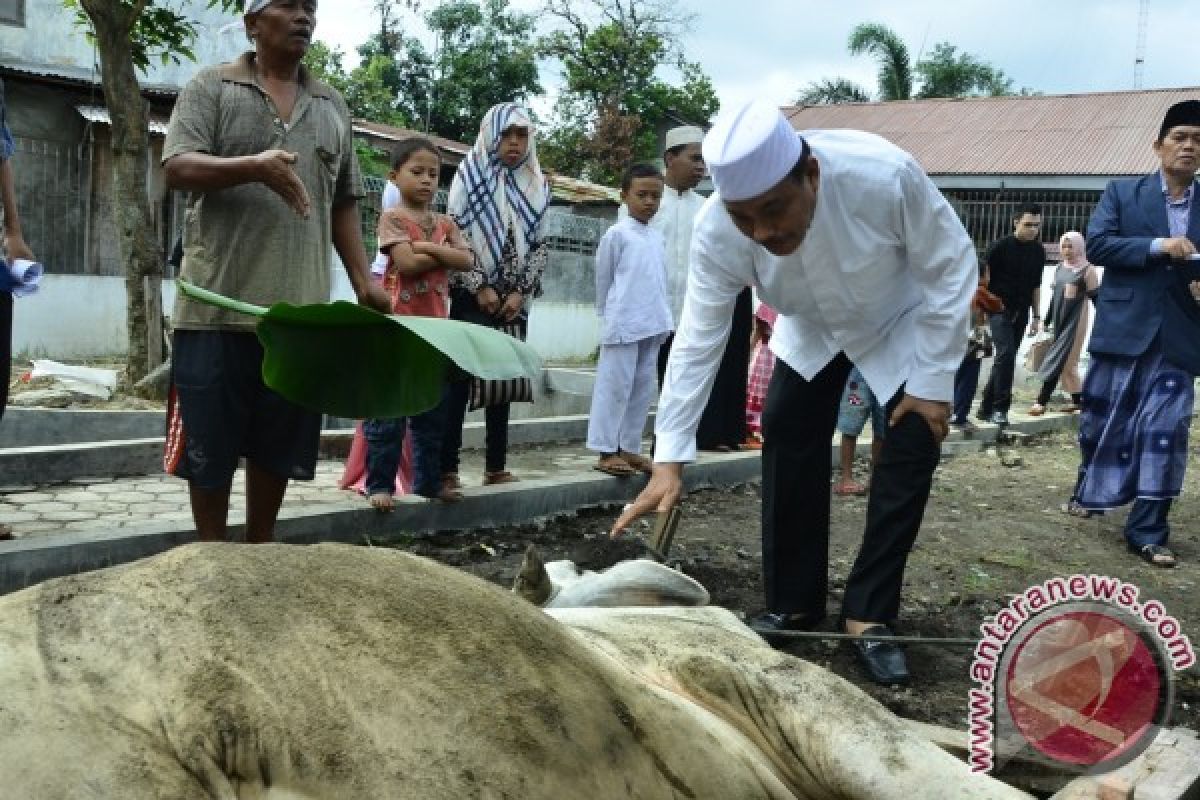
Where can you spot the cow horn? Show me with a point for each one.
(532, 582)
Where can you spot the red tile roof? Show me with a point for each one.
(1104, 133)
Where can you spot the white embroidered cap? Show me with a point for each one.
(685, 134)
(750, 148)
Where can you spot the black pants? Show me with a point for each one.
(798, 424)
(723, 423)
(1007, 329)
(464, 307)
(664, 355)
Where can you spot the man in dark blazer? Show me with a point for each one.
(1145, 345)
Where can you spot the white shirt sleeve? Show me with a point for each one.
(943, 263)
(607, 253)
(720, 267)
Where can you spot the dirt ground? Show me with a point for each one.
(990, 531)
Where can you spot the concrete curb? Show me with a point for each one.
(28, 561)
(61, 463)
(25, 562)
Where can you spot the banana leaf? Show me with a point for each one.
(349, 361)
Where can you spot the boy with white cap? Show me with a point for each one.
(867, 263)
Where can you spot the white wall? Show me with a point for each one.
(77, 317)
(51, 39)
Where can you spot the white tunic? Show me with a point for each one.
(674, 220)
(631, 283)
(885, 274)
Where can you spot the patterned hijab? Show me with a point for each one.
(487, 196)
(1078, 261)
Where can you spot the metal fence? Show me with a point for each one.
(987, 214)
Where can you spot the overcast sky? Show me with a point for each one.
(772, 48)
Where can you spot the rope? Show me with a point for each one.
(944, 641)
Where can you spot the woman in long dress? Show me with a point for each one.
(1075, 283)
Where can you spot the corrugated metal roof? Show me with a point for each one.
(456, 150)
(1104, 133)
(573, 190)
(76, 76)
(100, 114)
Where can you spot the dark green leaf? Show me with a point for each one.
(343, 359)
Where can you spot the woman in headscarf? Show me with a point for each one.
(1075, 282)
(498, 198)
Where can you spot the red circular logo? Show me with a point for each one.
(1084, 688)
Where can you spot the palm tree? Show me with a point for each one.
(895, 70)
(833, 90)
(944, 73)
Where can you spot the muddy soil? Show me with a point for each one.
(990, 531)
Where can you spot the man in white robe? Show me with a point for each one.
(866, 263)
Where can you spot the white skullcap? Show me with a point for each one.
(686, 134)
(255, 6)
(750, 148)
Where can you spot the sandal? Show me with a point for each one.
(450, 480)
(1075, 510)
(849, 489)
(499, 476)
(615, 466)
(1036, 410)
(381, 502)
(638, 462)
(445, 494)
(1154, 554)
(6, 532)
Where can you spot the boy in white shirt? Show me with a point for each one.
(631, 298)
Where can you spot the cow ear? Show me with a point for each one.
(532, 582)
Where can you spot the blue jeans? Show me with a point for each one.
(385, 441)
(966, 381)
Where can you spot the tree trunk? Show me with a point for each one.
(112, 23)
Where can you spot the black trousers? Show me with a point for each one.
(723, 423)
(664, 355)
(464, 307)
(798, 423)
(1007, 329)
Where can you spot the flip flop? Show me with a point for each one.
(1155, 555)
(849, 489)
(615, 466)
(638, 462)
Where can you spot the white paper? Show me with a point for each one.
(85, 380)
(26, 276)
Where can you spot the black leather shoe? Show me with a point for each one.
(883, 661)
(770, 622)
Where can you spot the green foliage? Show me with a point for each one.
(372, 161)
(615, 104)
(833, 90)
(326, 357)
(159, 32)
(895, 71)
(944, 73)
(948, 73)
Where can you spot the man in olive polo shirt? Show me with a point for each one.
(266, 152)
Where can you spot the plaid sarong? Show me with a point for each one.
(1133, 432)
(756, 389)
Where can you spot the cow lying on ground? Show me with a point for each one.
(336, 672)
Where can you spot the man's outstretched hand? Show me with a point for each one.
(662, 493)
